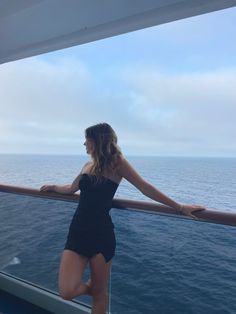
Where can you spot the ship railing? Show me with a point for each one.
(208, 215)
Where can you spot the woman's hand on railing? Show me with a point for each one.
(62, 189)
(47, 188)
(188, 210)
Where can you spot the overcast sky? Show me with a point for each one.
(167, 91)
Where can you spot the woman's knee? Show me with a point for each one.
(66, 294)
(66, 290)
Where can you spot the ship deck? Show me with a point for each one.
(10, 304)
(17, 296)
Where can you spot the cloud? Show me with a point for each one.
(45, 107)
(195, 109)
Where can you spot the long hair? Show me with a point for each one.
(106, 152)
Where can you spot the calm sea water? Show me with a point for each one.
(163, 264)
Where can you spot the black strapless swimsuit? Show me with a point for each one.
(91, 230)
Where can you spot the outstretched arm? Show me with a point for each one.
(63, 189)
(68, 188)
(129, 173)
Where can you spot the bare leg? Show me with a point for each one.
(70, 275)
(100, 271)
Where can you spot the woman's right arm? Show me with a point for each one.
(68, 188)
(63, 189)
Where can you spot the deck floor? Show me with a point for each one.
(10, 304)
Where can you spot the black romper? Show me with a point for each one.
(91, 230)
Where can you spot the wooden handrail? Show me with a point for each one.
(226, 218)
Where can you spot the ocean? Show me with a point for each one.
(163, 264)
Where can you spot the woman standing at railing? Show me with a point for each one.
(91, 235)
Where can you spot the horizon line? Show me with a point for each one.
(128, 155)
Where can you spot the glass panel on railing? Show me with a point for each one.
(168, 265)
(32, 236)
(162, 264)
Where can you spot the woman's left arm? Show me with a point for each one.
(126, 171)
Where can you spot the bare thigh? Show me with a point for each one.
(100, 272)
(71, 271)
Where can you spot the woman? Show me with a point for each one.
(91, 235)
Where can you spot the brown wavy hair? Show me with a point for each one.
(106, 152)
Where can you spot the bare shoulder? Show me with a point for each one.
(121, 163)
(124, 167)
(127, 171)
(86, 167)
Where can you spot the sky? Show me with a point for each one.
(168, 90)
